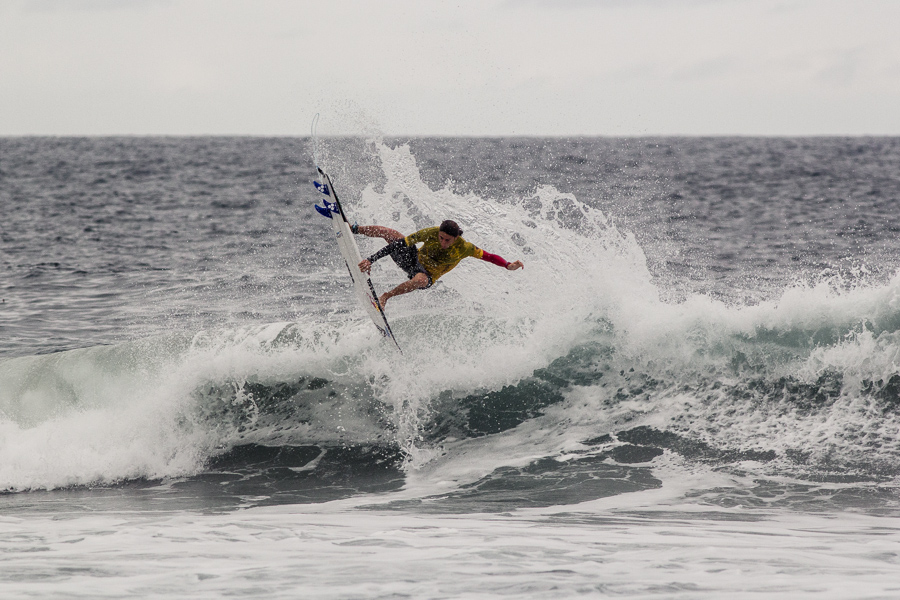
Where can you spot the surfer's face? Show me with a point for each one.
(446, 239)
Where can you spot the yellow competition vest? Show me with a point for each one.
(435, 259)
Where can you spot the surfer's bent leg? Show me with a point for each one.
(385, 233)
(419, 281)
(407, 258)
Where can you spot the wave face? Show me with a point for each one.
(579, 377)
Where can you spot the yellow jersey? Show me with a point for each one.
(436, 260)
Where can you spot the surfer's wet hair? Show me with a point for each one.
(450, 228)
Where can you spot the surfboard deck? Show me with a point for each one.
(362, 283)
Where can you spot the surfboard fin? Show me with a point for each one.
(322, 187)
(328, 209)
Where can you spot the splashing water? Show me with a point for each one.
(578, 346)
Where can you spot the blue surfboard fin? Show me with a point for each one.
(322, 187)
(325, 212)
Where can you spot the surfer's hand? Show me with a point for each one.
(515, 265)
(365, 266)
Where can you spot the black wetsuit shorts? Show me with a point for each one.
(406, 257)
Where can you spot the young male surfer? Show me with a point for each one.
(442, 249)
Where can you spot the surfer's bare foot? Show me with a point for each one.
(383, 299)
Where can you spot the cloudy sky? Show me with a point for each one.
(467, 67)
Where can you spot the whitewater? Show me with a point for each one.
(690, 391)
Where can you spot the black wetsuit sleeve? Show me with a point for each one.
(389, 249)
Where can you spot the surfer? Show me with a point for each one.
(442, 249)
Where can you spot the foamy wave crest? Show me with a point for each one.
(162, 407)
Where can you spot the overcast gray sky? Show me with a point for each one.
(485, 67)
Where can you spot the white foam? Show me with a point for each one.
(329, 552)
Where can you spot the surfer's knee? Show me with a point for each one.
(421, 280)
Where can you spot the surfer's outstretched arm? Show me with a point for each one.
(498, 260)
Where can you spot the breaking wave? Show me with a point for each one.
(572, 371)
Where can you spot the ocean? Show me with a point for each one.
(691, 390)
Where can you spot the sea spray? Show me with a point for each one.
(578, 347)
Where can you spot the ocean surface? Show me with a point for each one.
(692, 389)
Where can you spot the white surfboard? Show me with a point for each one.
(362, 284)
